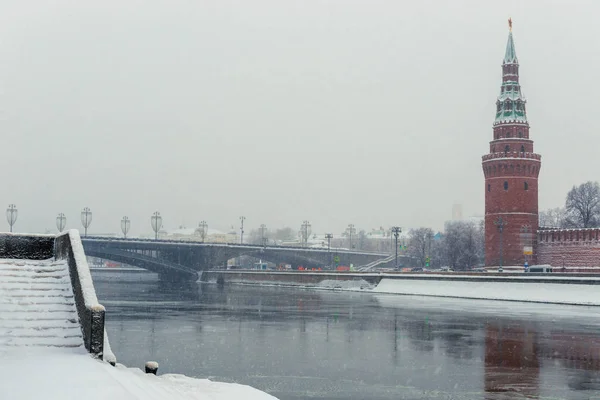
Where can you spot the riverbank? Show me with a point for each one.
(56, 374)
(572, 289)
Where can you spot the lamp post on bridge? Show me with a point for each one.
(329, 236)
(203, 230)
(86, 219)
(242, 219)
(11, 215)
(156, 222)
(61, 222)
(350, 230)
(263, 235)
(396, 232)
(125, 225)
(305, 231)
(500, 223)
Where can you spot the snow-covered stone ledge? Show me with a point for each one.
(91, 313)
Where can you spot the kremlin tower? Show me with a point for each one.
(511, 170)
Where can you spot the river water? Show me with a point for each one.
(309, 344)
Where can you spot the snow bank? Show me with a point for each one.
(555, 293)
(358, 284)
(58, 375)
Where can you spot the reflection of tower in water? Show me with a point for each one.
(511, 360)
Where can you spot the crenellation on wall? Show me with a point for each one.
(569, 247)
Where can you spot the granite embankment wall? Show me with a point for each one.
(563, 288)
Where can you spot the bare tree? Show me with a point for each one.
(419, 243)
(284, 234)
(452, 243)
(463, 244)
(583, 205)
(553, 218)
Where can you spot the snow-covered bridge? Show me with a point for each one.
(183, 259)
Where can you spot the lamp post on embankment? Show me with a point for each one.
(500, 223)
(396, 232)
(61, 222)
(86, 219)
(329, 236)
(11, 215)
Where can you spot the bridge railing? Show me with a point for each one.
(229, 244)
(91, 313)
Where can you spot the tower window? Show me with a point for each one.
(489, 187)
(522, 149)
(525, 186)
(506, 149)
(520, 134)
(505, 185)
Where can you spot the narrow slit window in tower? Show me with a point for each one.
(522, 149)
(506, 149)
(489, 187)
(526, 186)
(505, 185)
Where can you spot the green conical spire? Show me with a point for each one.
(510, 57)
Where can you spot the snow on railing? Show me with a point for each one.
(26, 246)
(91, 313)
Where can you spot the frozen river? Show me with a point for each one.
(302, 344)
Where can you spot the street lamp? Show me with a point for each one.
(203, 230)
(305, 232)
(11, 215)
(242, 219)
(61, 222)
(86, 219)
(350, 231)
(329, 236)
(125, 225)
(500, 223)
(156, 222)
(396, 232)
(263, 235)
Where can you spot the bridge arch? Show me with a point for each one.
(164, 268)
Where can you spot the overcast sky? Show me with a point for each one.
(366, 112)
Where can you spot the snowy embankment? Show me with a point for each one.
(56, 374)
(519, 290)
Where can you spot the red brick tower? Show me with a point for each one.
(511, 172)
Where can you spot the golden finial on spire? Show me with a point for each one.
(510, 24)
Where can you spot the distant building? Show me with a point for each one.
(457, 214)
(193, 235)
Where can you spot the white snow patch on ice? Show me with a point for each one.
(580, 294)
(358, 284)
